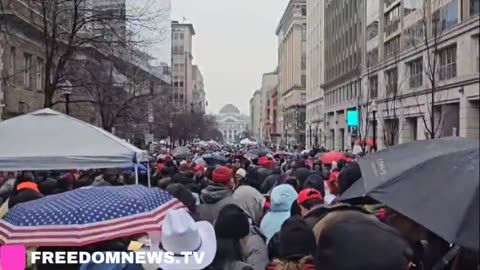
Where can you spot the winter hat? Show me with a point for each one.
(309, 194)
(265, 162)
(375, 246)
(241, 172)
(232, 223)
(296, 239)
(315, 181)
(222, 175)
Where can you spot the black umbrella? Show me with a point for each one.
(214, 159)
(435, 183)
(181, 153)
(259, 152)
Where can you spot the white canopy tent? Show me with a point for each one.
(247, 141)
(49, 140)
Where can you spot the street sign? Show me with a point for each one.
(352, 118)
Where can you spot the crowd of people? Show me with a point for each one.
(271, 211)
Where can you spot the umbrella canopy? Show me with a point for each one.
(181, 153)
(259, 152)
(57, 142)
(434, 183)
(75, 219)
(214, 159)
(330, 157)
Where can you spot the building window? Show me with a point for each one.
(445, 17)
(372, 30)
(13, 59)
(476, 49)
(410, 6)
(372, 57)
(415, 68)
(474, 7)
(182, 36)
(304, 80)
(40, 72)
(304, 10)
(27, 79)
(373, 87)
(391, 77)
(414, 35)
(448, 63)
(392, 47)
(392, 20)
(180, 84)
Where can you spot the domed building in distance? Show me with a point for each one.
(231, 123)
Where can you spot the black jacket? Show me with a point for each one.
(22, 196)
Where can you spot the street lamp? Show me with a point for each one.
(374, 114)
(67, 93)
(170, 130)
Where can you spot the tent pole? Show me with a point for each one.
(148, 174)
(136, 174)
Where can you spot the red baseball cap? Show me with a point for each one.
(265, 162)
(222, 175)
(309, 194)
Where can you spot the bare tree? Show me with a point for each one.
(432, 27)
(66, 27)
(391, 105)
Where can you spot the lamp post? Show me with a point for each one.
(170, 130)
(374, 115)
(67, 93)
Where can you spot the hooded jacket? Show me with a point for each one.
(282, 197)
(214, 197)
(252, 203)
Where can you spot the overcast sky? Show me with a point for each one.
(235, 44)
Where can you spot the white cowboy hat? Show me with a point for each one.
(180, 233)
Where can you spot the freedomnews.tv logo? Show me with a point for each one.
(13, 257)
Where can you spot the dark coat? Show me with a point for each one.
(23, 195)
(214, 197)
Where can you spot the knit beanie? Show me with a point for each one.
(296, 239)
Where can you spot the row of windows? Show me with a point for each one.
(33, 73)
(178, 35)
(343, 93)
(447, 69)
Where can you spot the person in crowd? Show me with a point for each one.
(217, 194)
(317, 166)
(25, 190)
(240, 177)
(328, 215)
(315, 181)
(232, 229)
(200, 178)
(372, 245)
(266, 168)
(296, 246)
(8, 185)
(269, 182)
(184, 175)
(309, 199)
(282, 198)
(427, 247)
(253, 204)
(184, 195)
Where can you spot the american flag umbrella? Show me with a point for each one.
(86, 215)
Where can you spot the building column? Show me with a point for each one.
(469, 117)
